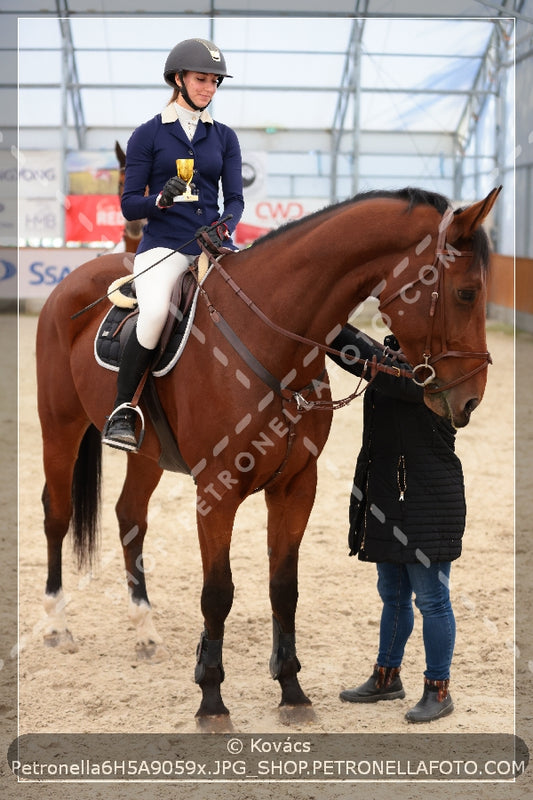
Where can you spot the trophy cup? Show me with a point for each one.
(185, 168)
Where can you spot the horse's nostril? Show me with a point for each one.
(471, 405)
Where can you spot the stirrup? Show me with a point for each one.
(133, 447)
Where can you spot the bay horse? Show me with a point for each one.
(269, 417)
(133, 229)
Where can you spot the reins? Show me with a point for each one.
(443, 253)
(280, 387)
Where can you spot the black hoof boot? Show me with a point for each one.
(384, 684)
(436, 702)
(209, 674)
(284, 667)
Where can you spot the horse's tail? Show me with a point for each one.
(86, 490)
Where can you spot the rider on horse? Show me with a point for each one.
(184, 130)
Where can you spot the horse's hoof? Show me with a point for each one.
(153, 652)
(219, 723)
(62, 641)
(296, 715)
(292, 693)
(212, 705)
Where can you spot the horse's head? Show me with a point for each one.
(437, 311)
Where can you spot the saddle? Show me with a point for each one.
(118, 324)
(120, 320)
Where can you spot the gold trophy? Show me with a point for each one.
(185, 168)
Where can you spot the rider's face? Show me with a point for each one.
(200, 88)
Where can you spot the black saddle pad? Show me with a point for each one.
(117, 326)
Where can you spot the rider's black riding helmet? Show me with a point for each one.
(195, 55)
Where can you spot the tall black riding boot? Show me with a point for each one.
(119, 430)
(436, 702)
(384, 684)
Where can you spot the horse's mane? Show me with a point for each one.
(413, 196)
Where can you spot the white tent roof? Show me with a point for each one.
(415, 74)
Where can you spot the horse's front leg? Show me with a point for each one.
(289, 507)
(142, 477)
(214, 532)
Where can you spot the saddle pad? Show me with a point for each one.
(116, 327)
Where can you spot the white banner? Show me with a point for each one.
(8, 174)
(254, 166)
(41, 268)
(272, 212)
(39, 173)
(8, 220)
(40, 219)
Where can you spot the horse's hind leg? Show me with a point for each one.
(289, 507)
(65, 465)
(142, 477)
(56, 632)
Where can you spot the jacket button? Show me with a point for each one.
(199, 211)
(191, 152)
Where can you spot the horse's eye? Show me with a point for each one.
(466, 295)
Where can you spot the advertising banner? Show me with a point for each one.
(262, 215)
(93, 218)
(39, 173)
(8, 220)
(8, 273)
(254, 170)
(39, 218)
(42, 268)
(92, 172)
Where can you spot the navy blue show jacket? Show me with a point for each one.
(151, 155)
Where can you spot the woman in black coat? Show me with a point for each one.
(407, 514)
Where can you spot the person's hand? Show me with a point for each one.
(172, 188)
(216, 235)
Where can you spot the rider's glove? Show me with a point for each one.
(172, 188)
(216, 235)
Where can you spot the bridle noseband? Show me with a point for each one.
(424, 373)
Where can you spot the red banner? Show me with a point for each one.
(245, 234)
(93, 218)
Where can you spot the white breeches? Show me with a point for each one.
(154, 290)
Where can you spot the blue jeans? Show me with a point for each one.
(430, 584)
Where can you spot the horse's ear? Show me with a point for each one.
(120, 154)
(465, 222)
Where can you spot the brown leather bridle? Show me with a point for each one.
(443, 253)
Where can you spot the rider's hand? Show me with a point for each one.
(172, 188)
(216, 235)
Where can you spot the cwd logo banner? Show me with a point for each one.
(263, 215)
(93, 218)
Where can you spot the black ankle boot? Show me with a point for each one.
(119, 430)
(384, 684)
(436, 702)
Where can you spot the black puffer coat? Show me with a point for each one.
(408, 501)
